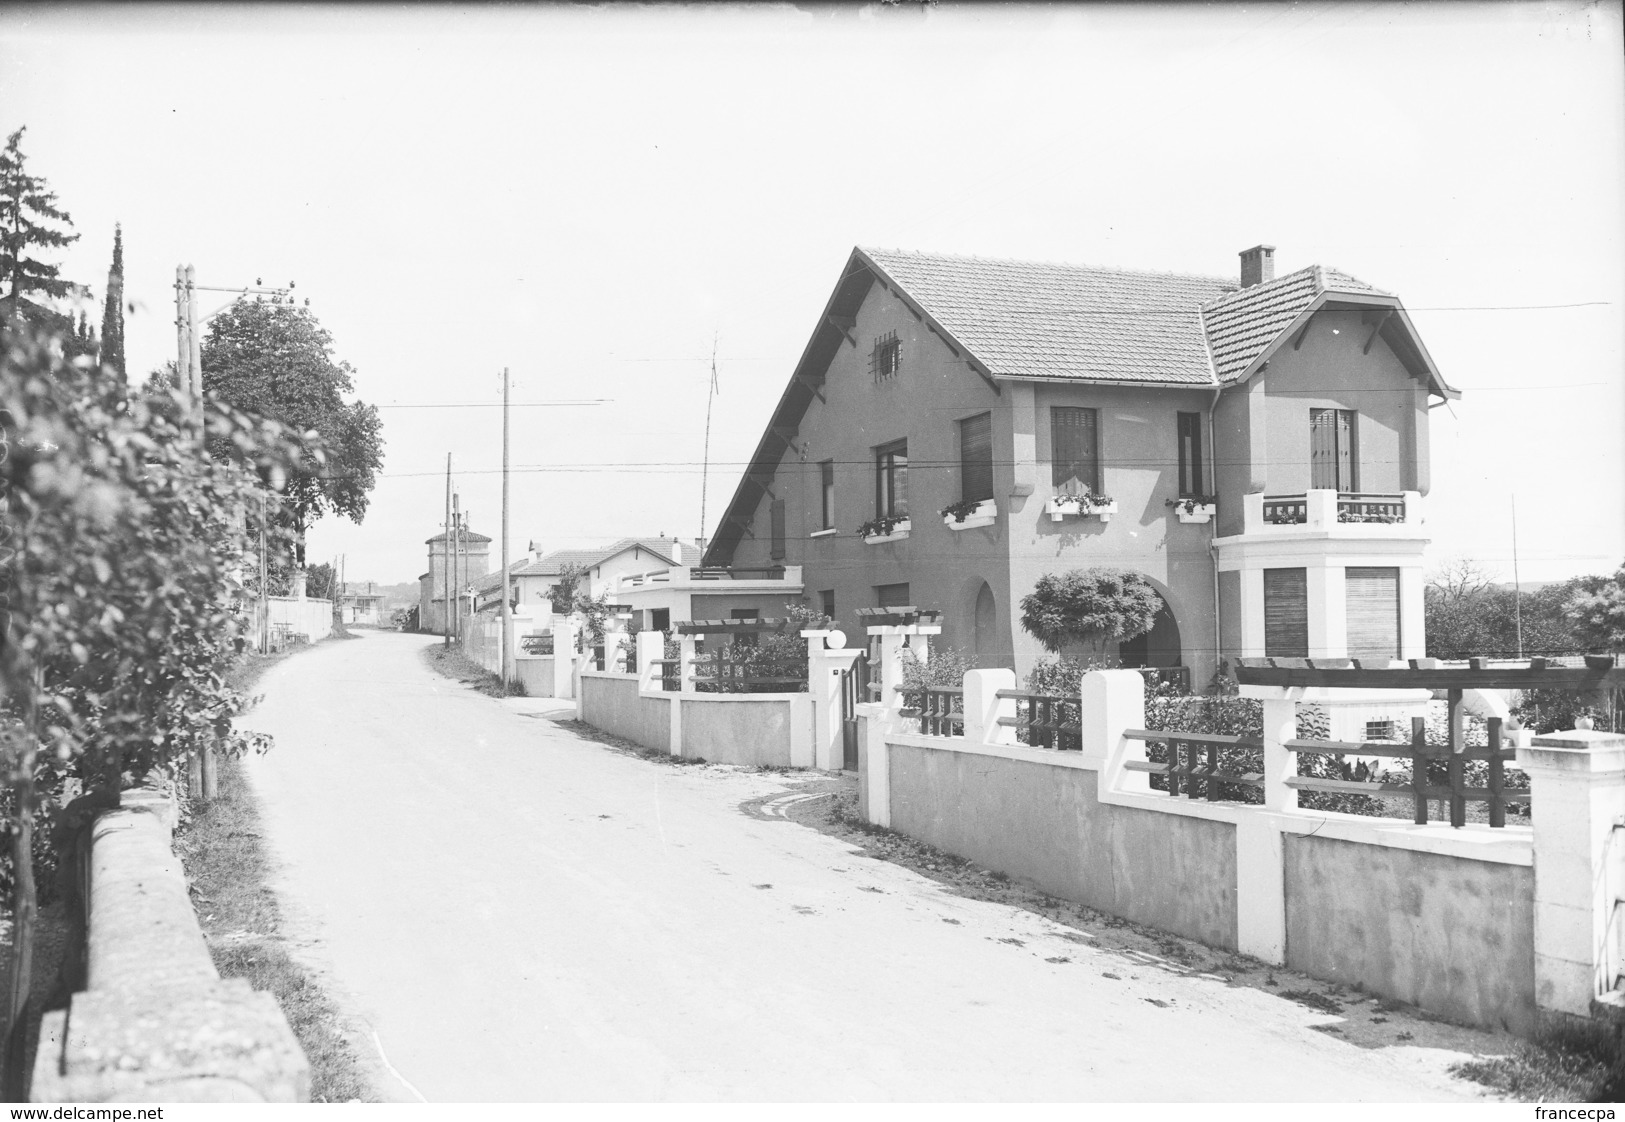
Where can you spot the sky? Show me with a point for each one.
(600, 199)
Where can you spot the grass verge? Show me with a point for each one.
(1578, 1064)
(629, 747)
(451, 662)
(228, 871)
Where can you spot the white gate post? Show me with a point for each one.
(983, 706)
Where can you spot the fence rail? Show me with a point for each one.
(1286, 510)
(940, 709)
(1357, 507)
(1041, 720)
(1193, 762)
(725, 671)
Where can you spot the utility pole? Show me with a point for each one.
(445, 560)
(265, 602)
(456, 566)
(1517, 588)
(507, 622)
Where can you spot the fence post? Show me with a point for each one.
(983, 706)
(826, 660)
(651, 649)
(564, 657)
(1280, 725)
(1577, 788)
(1112, 702)
(688, 655)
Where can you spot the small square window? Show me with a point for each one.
(1380, 730)
(887, 357)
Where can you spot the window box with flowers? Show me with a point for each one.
(1195, 510)
(884, 529)
(1085, 505)
(971, 514)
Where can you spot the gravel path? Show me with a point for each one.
(521, 913)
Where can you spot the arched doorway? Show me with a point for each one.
(986, 642)
(1158, 647)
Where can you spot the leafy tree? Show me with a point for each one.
(121, 535)
(1468, 618)
(113, 311)
(30, 221)
(320, 581)
(1091, 606)
(276, 361)
(563, 593)
(1596, 605)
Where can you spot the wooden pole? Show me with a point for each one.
(507, 621)
(456, 568)
(445, 561)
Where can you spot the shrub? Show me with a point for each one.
(1091, 606)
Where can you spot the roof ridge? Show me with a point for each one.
(1208, 278)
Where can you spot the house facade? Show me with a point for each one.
(469, 554)
(958, 427)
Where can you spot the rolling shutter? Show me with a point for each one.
(976, 458)
(1286, 613)
(777, 514)
(1373, 612)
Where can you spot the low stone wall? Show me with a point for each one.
(1452, 935)
(535, 673)
(313, 619)
(744, 729)
(1041, 820)
(156, 1022)
(610, 702)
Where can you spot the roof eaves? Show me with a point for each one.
(954, 343)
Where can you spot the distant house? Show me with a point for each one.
(469, 554)
(533, 578)
(958, 427)
(360, 607)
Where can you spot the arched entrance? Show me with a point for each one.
(986, 642)
(1158, 647)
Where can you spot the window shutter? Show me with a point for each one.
(976, 458)
(1286, 613)
(777, 513)
(1075, 447)
(1345, 451)
(1373, 612)
(1323, 449)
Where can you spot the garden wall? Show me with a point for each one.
(610, 702)
(748, 730)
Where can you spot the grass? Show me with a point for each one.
(228, 871)
(451, 662)
(1583, 1063)
(631, 747)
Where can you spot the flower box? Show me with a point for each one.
(1195, 513)
(1065, 506)
(897, 532)
(984, 513)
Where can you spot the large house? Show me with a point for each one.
(533, 577)
(465, 559)
(958, 427)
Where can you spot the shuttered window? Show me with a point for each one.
(891, 480)
(1373, 612)
(976, 458)
(777, 515)
(1075, 448)
(1286, 613)
(1190, 456)
(826, 484)
(1331, 450)
(892, 596)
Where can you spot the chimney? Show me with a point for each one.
(676, 552)
(1257, 265)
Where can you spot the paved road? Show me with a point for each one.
(521, 914)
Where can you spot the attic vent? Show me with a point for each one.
(887, 357)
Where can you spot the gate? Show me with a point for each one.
(854, 689)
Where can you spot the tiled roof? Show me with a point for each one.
(1241, 325)
(550, 564)
(467, 536)
(1026, 319)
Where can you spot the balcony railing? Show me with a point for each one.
(1328, 510)
(787, 574)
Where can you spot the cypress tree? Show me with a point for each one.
(26, 208)
(113, 310)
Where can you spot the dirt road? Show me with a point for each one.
(521, 914)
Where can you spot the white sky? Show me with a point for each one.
(590, 196)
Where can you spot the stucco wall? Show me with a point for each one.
(1042, 822)
(536, 675)
(610, 702)
(1451, 935)
(749, 733)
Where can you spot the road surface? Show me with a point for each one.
(521, 914)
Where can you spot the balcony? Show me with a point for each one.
(1337, 513)
(776, 578)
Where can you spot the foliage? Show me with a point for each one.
(276, 361)
(780, 655)
(112, 348)
(1596, 607)
(563, 593)
(1468, 617)
(961, 510)
(1079, 496)
(29, 218)
(130, 536)
(1089, 606)
(320, 581)
(879, 527)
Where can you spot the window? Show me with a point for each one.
(826, 603)
(1332, 462)
(891, 480)
(660, 619)
(826, 482)
(1075, 448)
(887, 357)
(776, 517)
(744, 638)
(1190, 456)
(1286, 613)
(1372, 596)
(891, 596)
(1380, 730)
(976, 458)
